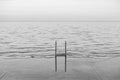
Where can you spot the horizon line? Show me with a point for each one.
(59, 21)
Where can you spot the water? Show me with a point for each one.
(84, 39)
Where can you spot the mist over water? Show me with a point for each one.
(84, 39)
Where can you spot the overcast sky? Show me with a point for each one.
(59, 10)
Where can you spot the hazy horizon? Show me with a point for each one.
(59, 10)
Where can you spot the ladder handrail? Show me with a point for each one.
(65, 56)
(55, 56)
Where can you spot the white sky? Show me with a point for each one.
(59, 10)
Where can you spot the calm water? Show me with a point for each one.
(84, 39)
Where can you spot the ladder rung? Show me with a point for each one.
(60, 55)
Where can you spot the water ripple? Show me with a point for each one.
(83, 39)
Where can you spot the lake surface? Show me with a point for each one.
(84, 39)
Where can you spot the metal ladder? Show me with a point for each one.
(57, 55)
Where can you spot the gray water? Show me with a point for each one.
(84, 39)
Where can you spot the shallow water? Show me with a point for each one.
(84, 39)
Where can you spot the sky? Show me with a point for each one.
(59, 10)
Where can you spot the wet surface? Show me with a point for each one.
(84, 39)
